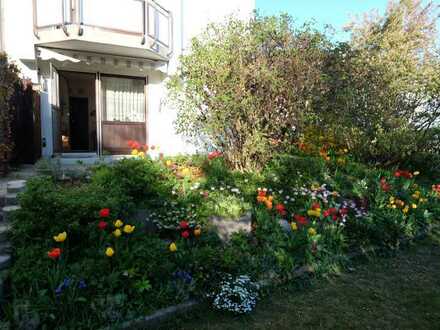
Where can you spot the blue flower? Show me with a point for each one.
(66, 282)
(82, 284)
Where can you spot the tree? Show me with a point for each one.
(384, 86)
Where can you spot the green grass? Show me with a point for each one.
(398, 292)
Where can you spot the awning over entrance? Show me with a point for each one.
(99, 62)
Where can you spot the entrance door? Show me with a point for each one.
(79, 123)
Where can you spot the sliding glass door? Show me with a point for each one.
(123, 112)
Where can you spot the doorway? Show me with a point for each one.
(79, 123)
(76, 131)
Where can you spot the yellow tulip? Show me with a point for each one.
(117, 233)
(168, 163)
(134, 152)
(128, 229)
(109, 252)
(406, 209)
(118, 223)
(312, 231)
(414, 206)
(314, 213)
(294, 226)
(173, 247)
(61, 237)
(141, 154)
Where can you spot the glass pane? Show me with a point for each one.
(123, 99)
(123, 15)
(163, 29)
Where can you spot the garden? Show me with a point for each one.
(310, 152)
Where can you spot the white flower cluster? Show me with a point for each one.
(237, 295)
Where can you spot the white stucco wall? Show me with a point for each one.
(190, 19)
(18, 38)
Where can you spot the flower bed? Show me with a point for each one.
(83, 261)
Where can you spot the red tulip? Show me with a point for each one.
(281, 209)
(102, 225)
(301, 220)
(184, 224)
(54, 254)
(104, 213)
(185, 234)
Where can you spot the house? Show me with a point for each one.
(101, 66)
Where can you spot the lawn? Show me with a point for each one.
(395, 292)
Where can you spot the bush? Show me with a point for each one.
(245, 100)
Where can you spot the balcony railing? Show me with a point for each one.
(143, 18)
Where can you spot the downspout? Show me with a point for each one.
(182, 26)
(2, 46)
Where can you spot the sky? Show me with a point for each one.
(334, 12)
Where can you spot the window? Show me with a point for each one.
(123, 99)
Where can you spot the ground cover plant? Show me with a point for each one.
(83, 259)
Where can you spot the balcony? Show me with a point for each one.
(132, 28)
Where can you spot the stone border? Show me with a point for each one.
(164, 314)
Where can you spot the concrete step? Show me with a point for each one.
(5, 248)
(5, 261)
(11, 199)
(15, 186)
(4, 232)
(8, 211)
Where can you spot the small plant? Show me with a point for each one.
(236, 294)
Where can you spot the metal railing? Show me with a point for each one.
(145, 18)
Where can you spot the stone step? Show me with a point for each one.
(5, 248)
(8, 211)
(11, 199)
(15, 186)
(2, 199)
(4, 232)
(5, 261)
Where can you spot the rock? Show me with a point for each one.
(143, 217)
(227, 227)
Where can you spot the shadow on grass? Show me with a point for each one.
(400, 292)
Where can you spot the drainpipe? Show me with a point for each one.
(1, 27)
(182, 26)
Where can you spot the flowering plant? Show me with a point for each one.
(236, 294)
